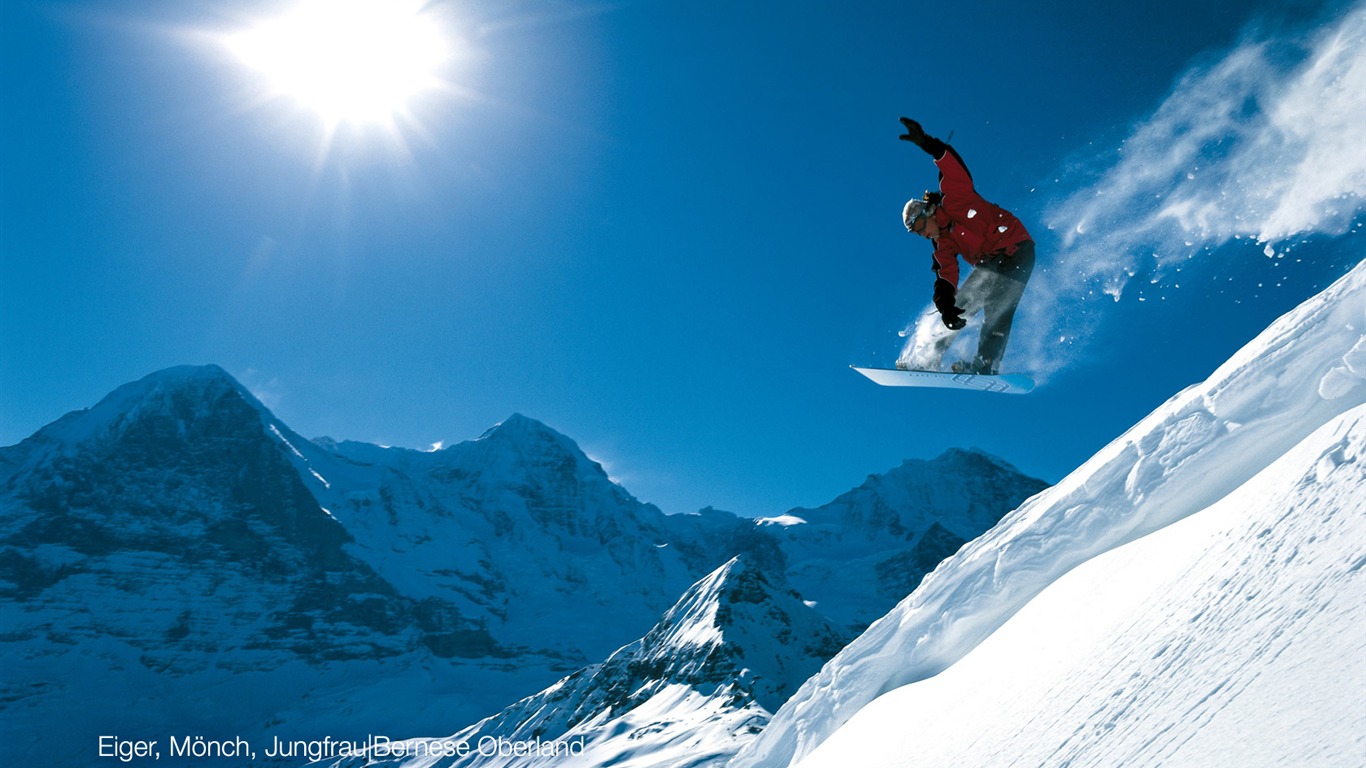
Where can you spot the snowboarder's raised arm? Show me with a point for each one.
(951, 164)
(955, 182)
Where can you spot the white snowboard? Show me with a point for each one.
(1011, 383)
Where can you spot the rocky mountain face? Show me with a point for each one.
(208, 570)
(186, 485)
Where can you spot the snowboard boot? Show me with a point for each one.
(977, 367)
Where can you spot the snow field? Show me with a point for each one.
(1230, 638)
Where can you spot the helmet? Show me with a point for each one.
(914, 210)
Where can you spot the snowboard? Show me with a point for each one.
(1010, 383)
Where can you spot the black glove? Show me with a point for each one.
(944, 295)
(916, 135)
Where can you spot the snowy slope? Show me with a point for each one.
(1301, 373)
(1231, 638)
(692, 691)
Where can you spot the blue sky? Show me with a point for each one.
(666, 229)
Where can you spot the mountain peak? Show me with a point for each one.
(888, 532)
(191, 379)
(206, 372)
(972, 460)
(969, 486)
(181, 395)
(520, 426)
(739, 622)
(524, 439)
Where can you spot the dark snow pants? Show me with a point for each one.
(994, 288)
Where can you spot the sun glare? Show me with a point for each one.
(349, 61)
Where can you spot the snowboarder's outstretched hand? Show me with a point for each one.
(944, 295)
(914, 133)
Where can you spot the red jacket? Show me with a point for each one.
(969, 225)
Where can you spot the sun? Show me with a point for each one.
(348, 61)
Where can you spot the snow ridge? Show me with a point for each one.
(1299, 374)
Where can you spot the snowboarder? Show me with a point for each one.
(959, 222)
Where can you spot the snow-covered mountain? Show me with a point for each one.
(519, 529)
(692, 691)
(1232, 638)
(161, 550)
(179, 549)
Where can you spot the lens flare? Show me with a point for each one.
(352, 61)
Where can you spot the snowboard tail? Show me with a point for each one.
(1008, 383)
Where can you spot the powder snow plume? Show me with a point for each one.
(1262, 144)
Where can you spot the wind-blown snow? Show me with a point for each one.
(1231, 638)
(1261, 144)
(1289, 155)
(1194, 450)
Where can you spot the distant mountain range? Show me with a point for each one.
(185, 557)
